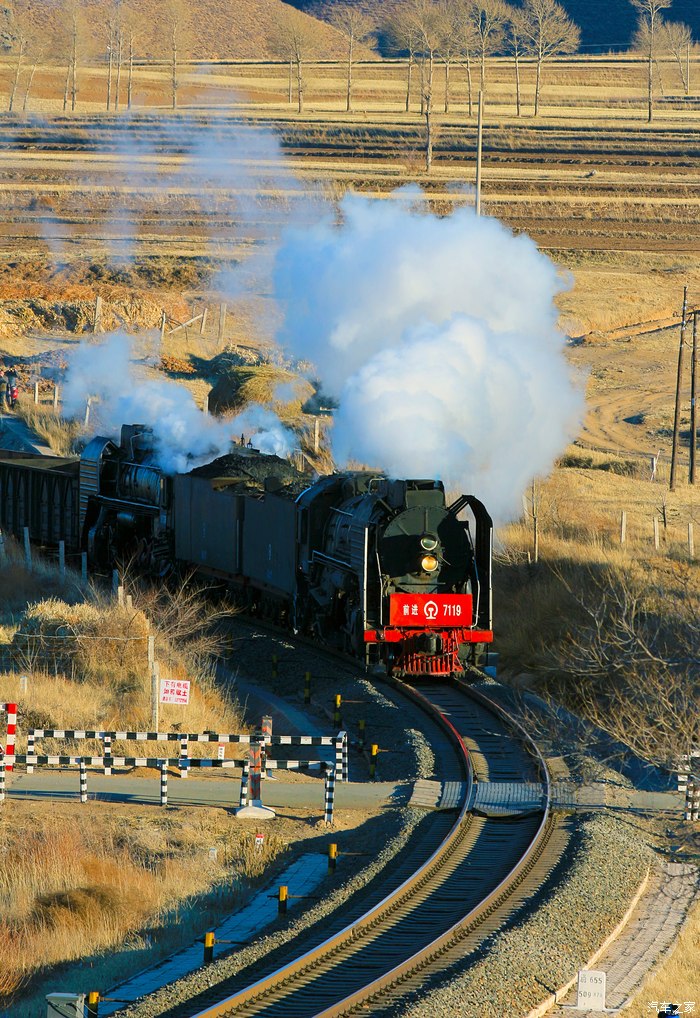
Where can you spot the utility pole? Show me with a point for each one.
(679, 389)
(479, 139)
(694, 402)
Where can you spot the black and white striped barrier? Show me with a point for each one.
(155, 762)
(164, 782)
(83, 779)
(329, 794)
(253, 806)
(339, 743)
(2, 781)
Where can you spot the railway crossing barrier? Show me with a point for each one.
(338, 742)
(246, 800)
(7, 756)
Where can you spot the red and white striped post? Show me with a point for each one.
(11, 709)
(266, 741)
(255, 762)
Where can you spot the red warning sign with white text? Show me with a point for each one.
(430, 610)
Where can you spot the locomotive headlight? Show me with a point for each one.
(429, 563)
(428, 542)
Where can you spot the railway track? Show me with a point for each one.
(426, 916)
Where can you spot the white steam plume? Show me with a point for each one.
(439, 338)
(185, 437)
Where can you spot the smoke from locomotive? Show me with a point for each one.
(438, 337)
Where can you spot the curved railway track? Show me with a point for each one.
(425, 916)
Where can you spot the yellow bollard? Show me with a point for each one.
(282, 899)
(336, 709)
(373, 761)
(208, 948)
(332, 857)
(92, 1002)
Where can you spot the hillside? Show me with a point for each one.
(604, 24)
(216, 29)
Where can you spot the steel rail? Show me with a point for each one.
(356, 933)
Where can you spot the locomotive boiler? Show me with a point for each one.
(384, 569)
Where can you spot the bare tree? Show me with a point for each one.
(30, 80)
(547, 30)
(428, 108)
(23, 39)
(451, 46)
(357, 28)
(296, 38)
(133, 25)
(646, 37)
(629, 664)
(403, 37)
(514, 44)
(678, 38)
(488, 18)
(467, 41)
(74, 40)
(427, 18)
(176, 20)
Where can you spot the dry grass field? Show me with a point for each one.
(134, 210)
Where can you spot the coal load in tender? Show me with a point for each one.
(250, 470)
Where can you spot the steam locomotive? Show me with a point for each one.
(384, 569)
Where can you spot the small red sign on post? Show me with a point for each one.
(435, 611)
(174, 691)
(259, 842)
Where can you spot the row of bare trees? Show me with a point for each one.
(453, 34)
(120, 36)
(466, 32)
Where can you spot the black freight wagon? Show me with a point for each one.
(42, 493)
